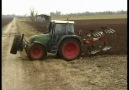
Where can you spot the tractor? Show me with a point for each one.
(60, 40)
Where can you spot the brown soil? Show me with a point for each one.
(5, 21)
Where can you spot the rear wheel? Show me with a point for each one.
(15, 45)
(36, 52)
(70, 49)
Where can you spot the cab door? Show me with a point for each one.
(59, 31)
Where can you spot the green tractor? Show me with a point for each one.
(60, 40)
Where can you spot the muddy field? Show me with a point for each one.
(100, 72)
(118, 42)
(5, 21)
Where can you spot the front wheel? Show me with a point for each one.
(36, 52)
(70, 49)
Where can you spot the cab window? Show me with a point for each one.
(70, 29)
(60, 28)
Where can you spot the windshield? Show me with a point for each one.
(51, 26)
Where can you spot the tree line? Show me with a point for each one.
(58, 13)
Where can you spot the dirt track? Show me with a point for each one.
(89, 73)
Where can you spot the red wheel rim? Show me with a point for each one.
(71, 50)
(36, 52)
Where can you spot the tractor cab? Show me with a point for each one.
(57, 29)
(64, 27)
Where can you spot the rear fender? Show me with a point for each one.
(69, 36)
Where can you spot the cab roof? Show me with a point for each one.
(60, 21)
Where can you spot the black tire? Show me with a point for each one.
(15, 45)
(22, 43)
(70, 49)
(57, 54)
(36, 52)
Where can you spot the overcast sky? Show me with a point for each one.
(22, 7)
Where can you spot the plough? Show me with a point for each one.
(97, 40)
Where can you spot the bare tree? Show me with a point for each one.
(36, 16)
(32, 15)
